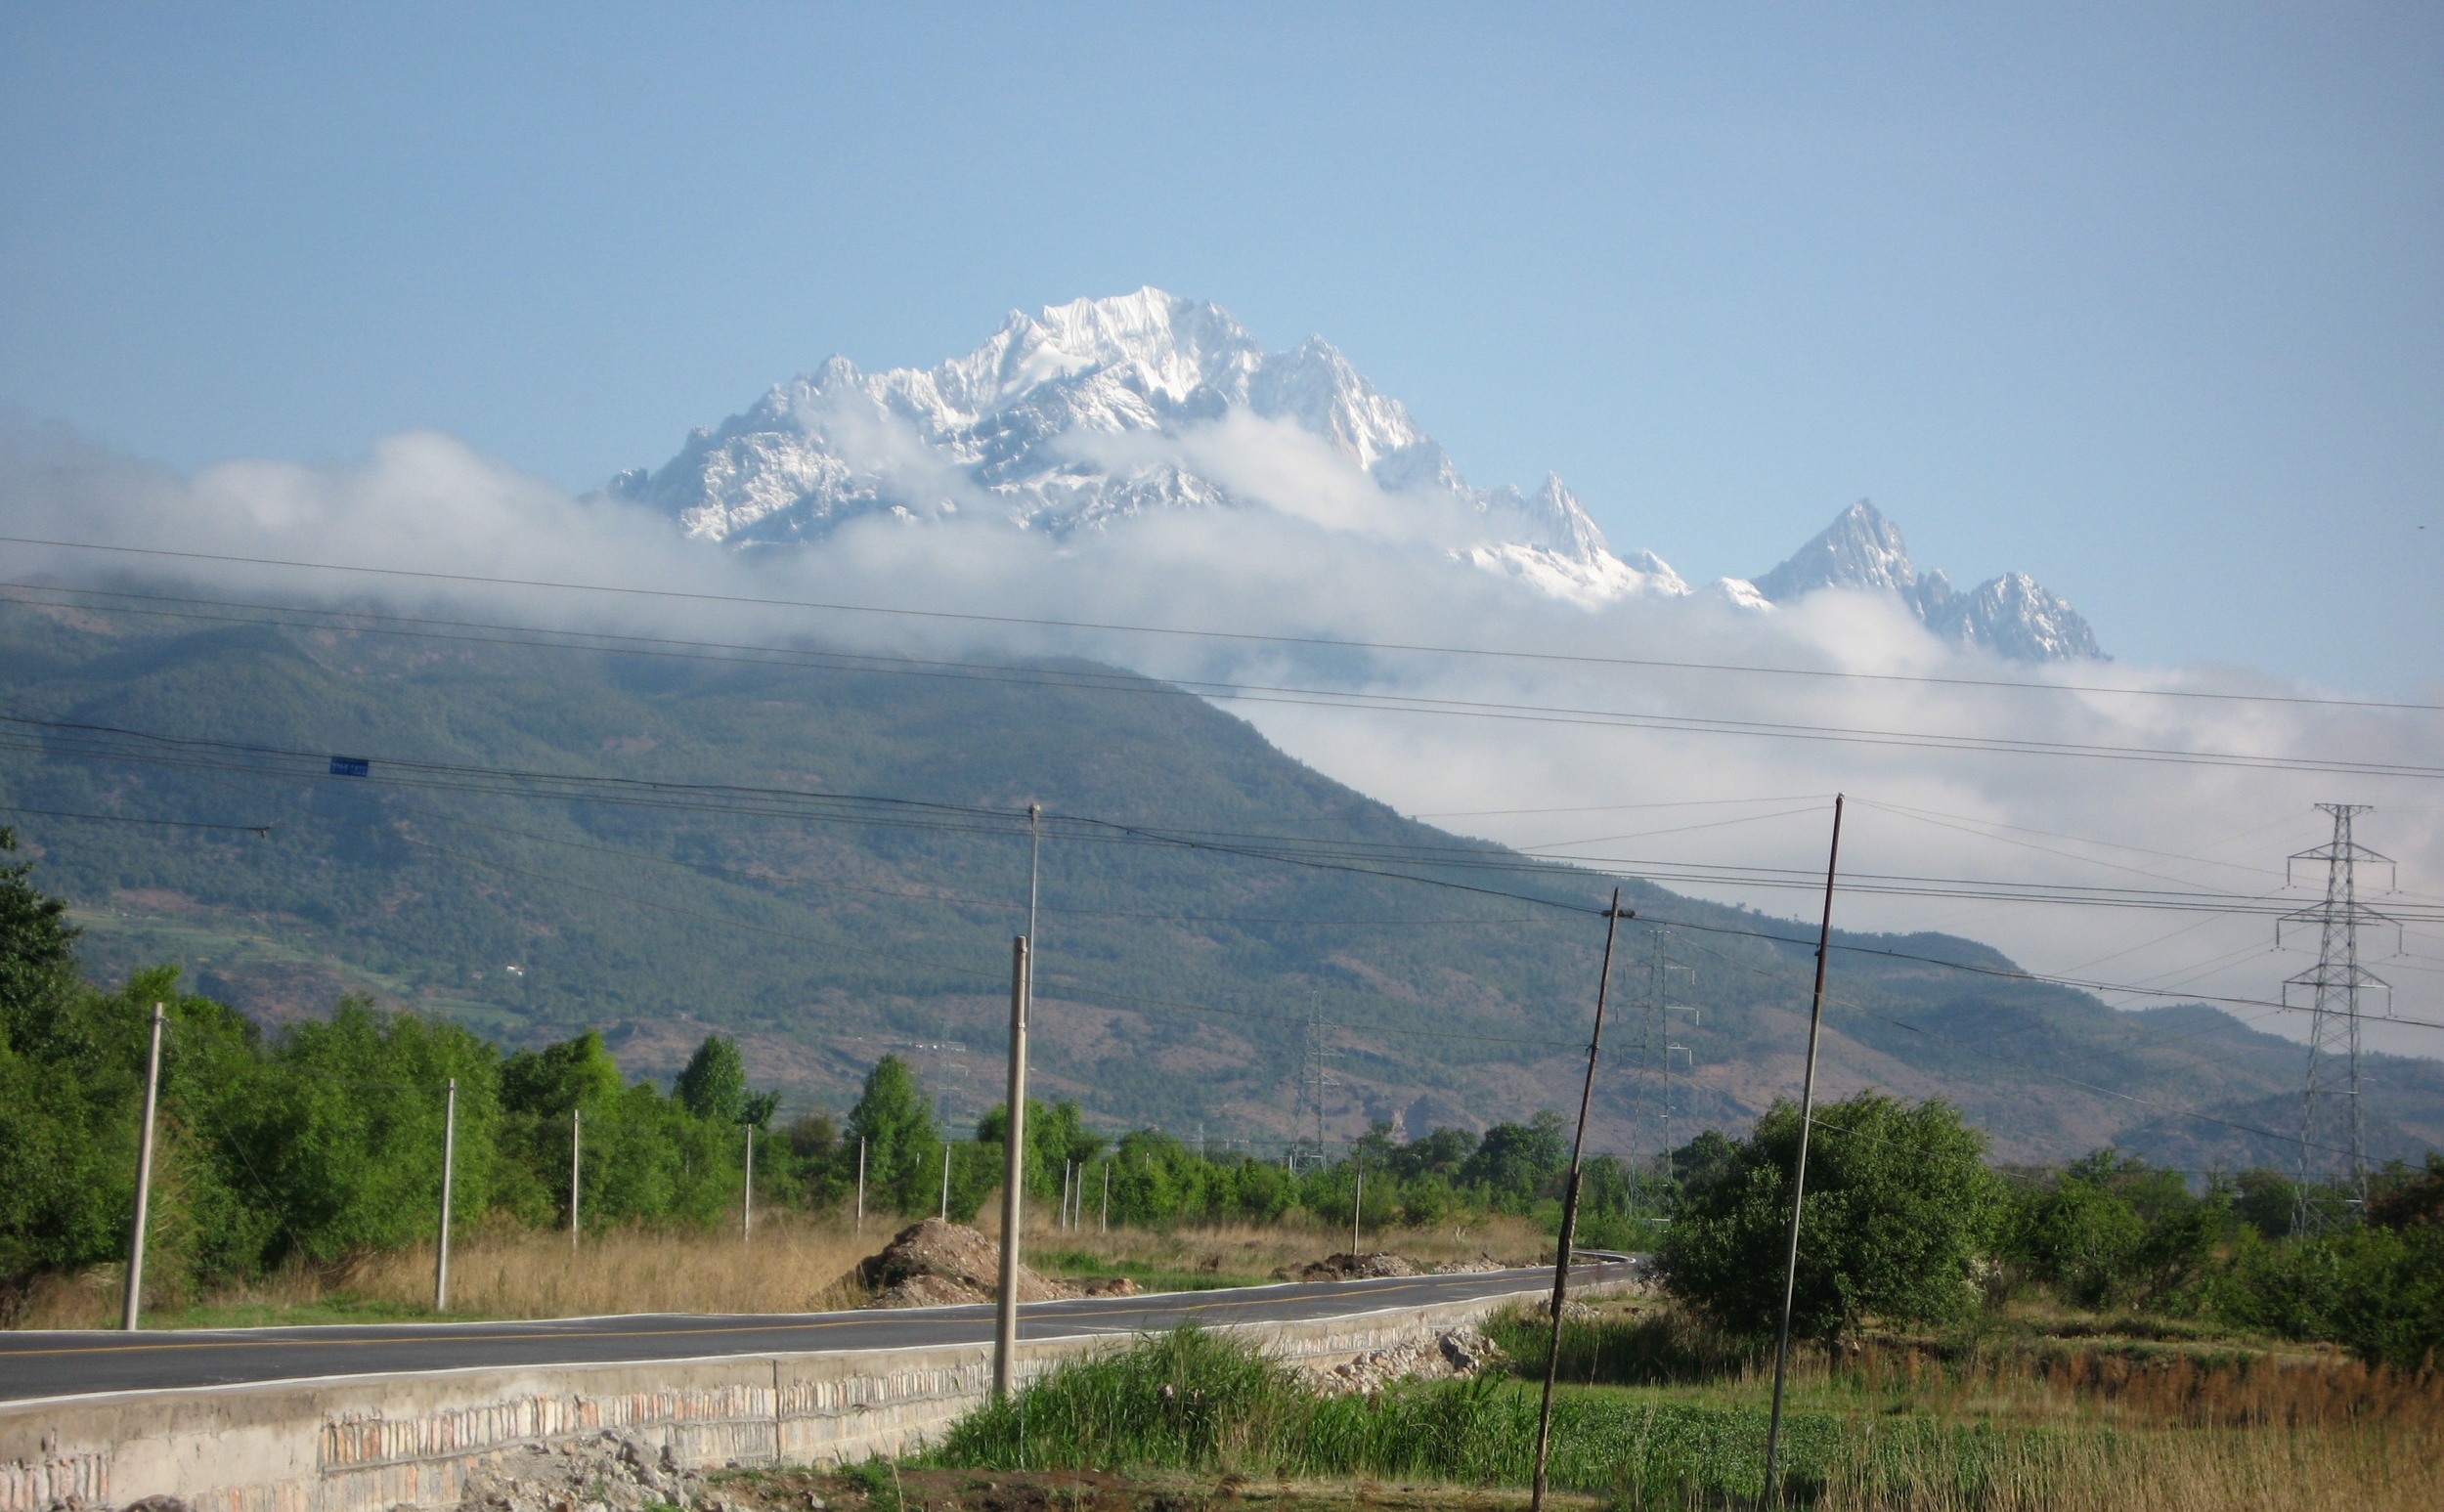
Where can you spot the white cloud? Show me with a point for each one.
(1331, 558)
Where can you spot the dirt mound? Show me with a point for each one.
(1482, 1263)
(1346, 1267)
(938, 1263)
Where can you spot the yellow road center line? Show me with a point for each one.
(630, 1333)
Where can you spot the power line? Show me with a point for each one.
(1342, 860)
(1331, 642)
(1387, 703)
(1409, 704)
(262, 830)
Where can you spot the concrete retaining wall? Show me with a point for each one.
(358, 1443)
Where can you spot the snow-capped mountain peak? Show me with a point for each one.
(1010, 427)
(2012, 615)
(1087, 414)
(1861, 549)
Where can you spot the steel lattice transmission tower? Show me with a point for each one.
(1655, 1046)
(1315, 1079)
(2334, 986)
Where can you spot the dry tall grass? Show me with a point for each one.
(1252, 1250)
(794, 1263)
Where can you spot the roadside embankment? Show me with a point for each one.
(346, 1443)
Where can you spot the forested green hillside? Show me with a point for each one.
(1177, 969)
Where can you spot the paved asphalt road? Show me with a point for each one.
(64, 1363)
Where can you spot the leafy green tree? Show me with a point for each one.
(713, 1087)
(573, 1075)
(2112, 1228)
(1703, 1160)
(2266, 1200)
(349, 1145)
(37, 957)
(1515, 1163)
(2404, 1196)
(1056, 1134)
(2075, 1236)
(903, 1143)
(1899, 1203)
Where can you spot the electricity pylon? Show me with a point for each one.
(1315, 1079)
(2334, 984)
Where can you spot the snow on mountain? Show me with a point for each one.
(2011, 616)
(1090, 413)
(1084, 415)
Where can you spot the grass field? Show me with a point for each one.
(2010, 1423)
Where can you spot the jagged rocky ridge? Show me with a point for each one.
(1077, 420)
(2012, 615)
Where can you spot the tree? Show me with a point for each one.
(1055, 1136)
(2266, 1200)
(576, 1075)
(37, 956)
(1703, 1160)
(713, 1087)
(1898, 1204)
(2075, 1236)
(2406, 1196)
(902, 1143)
(1515, 1160)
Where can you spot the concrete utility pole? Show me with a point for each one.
(747, 1208)
(448, 1166)
(1106, 1226)
(144, 1181)
(946, 1181)
(861, 1184)
(1570, 1204)
(1014, 1176)
(1799, 1167)
(577, 1137)
(1357, 1202)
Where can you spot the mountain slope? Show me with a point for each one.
(1182, 956)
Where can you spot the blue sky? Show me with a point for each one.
(2148, 301)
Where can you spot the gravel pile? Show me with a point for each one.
(1347, 1266)
(609, 1473)
(1458, 1352)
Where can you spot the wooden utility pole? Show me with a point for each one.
(448, 1166)
(144, 1181)
(1014, 1176)
(1799, 1166)
(1106, 1226)
(861, 1184)
(1570, 1206)
(946, 1181)
(1357, 1203)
